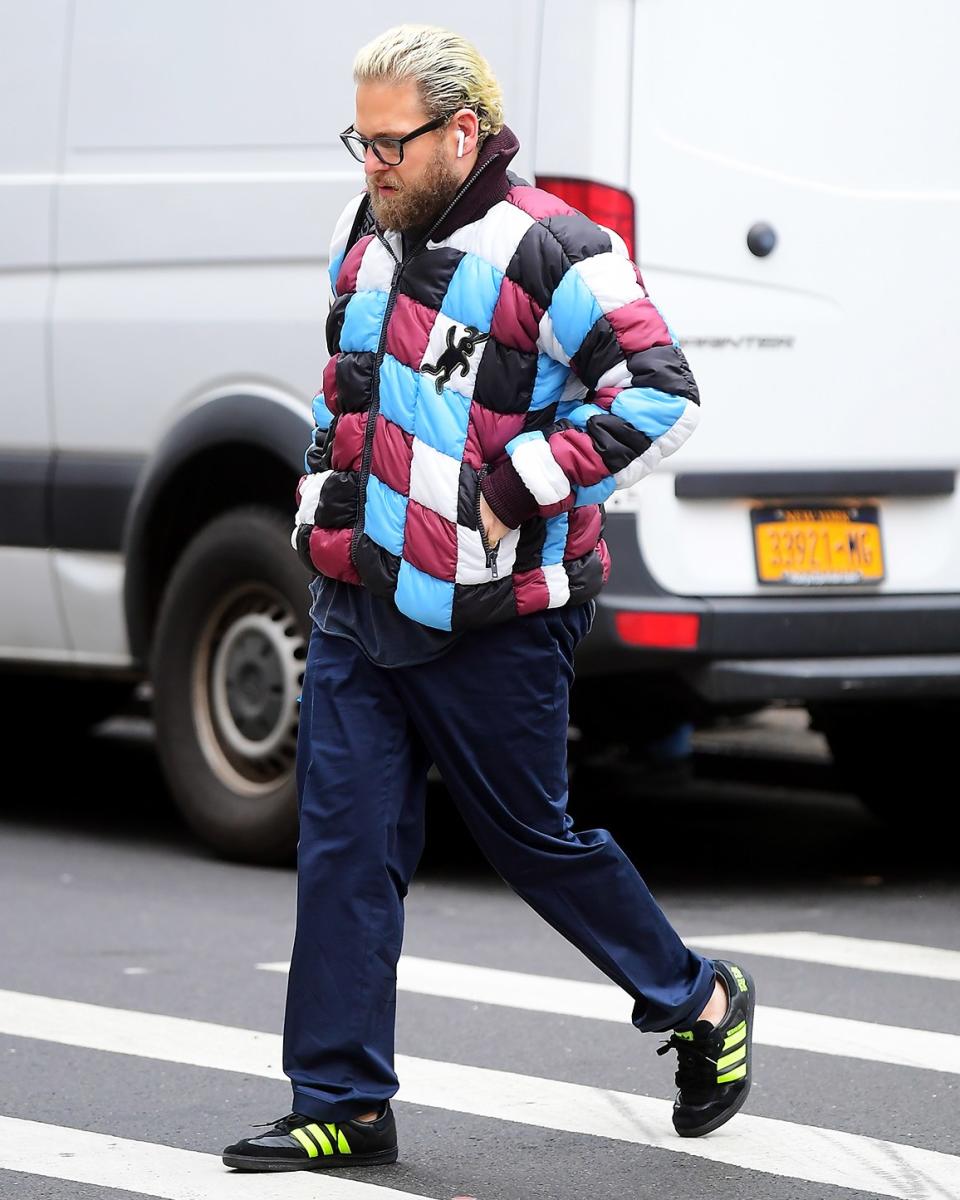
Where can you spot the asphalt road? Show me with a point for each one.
(515, 1090)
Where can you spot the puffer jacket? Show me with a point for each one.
(512, 350)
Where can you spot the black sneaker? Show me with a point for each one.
(299, 1143)
(713, 1069)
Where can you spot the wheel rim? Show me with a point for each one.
(248, 672)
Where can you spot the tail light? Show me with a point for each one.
(667, 631)
(609, 206)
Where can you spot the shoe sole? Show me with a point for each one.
(722, 1118)
(244, 1162)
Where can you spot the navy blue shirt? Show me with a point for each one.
(387, 636)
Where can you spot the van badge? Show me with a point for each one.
(455, 355)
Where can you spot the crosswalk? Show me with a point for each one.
(785, 1149)
(864, 954)
(786, 1028)
(76, 1155)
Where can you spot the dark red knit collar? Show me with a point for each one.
(490, 188)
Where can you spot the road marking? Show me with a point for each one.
(59, 1152)
(781, 1027)
(830, 949)
(774, 1147)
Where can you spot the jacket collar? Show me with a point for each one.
(486, 185)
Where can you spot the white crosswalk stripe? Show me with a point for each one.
(58, 1152)
(786, 1028)
(803, 1152)
(830, 949)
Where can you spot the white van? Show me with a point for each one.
(787, 176)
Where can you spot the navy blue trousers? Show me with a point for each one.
(492, 713)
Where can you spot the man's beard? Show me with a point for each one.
(415, 205)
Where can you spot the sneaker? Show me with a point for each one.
(300, 1143)
(713, 1068)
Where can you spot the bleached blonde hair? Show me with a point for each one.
(450, 72)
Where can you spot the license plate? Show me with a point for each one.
(818, 546)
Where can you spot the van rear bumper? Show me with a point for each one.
(906, 677)
(758, 648)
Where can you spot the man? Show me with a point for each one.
(496, 371)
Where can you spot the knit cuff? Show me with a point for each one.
(508, 496)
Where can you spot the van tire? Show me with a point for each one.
(892, 754)
(227, 667)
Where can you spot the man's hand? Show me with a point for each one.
(493, 527)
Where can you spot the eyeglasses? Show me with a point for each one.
(388, 149)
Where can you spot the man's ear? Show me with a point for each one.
(466, 122)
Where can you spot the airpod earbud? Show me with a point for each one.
(459, 143)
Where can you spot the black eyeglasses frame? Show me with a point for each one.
(351, 139)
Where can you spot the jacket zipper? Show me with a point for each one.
(381, 345)
(490, 553)
(372, 414)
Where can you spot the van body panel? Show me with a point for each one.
(833, 351)
(234, 155)
(584, 108)
(32, 63)
(92, 587)
(145, 345)
(32, 60)
(30, 618)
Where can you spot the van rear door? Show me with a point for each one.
(834, 126)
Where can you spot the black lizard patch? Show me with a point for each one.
(455, 355)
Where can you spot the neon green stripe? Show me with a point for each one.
(687, 1035)
(735, 1037)
(336, 1135)
(305, 1142)
(729, 1059)
(736, 1073)
(322, 1139)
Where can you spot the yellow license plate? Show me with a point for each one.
(818, 546)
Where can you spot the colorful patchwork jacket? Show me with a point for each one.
(512, 351)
